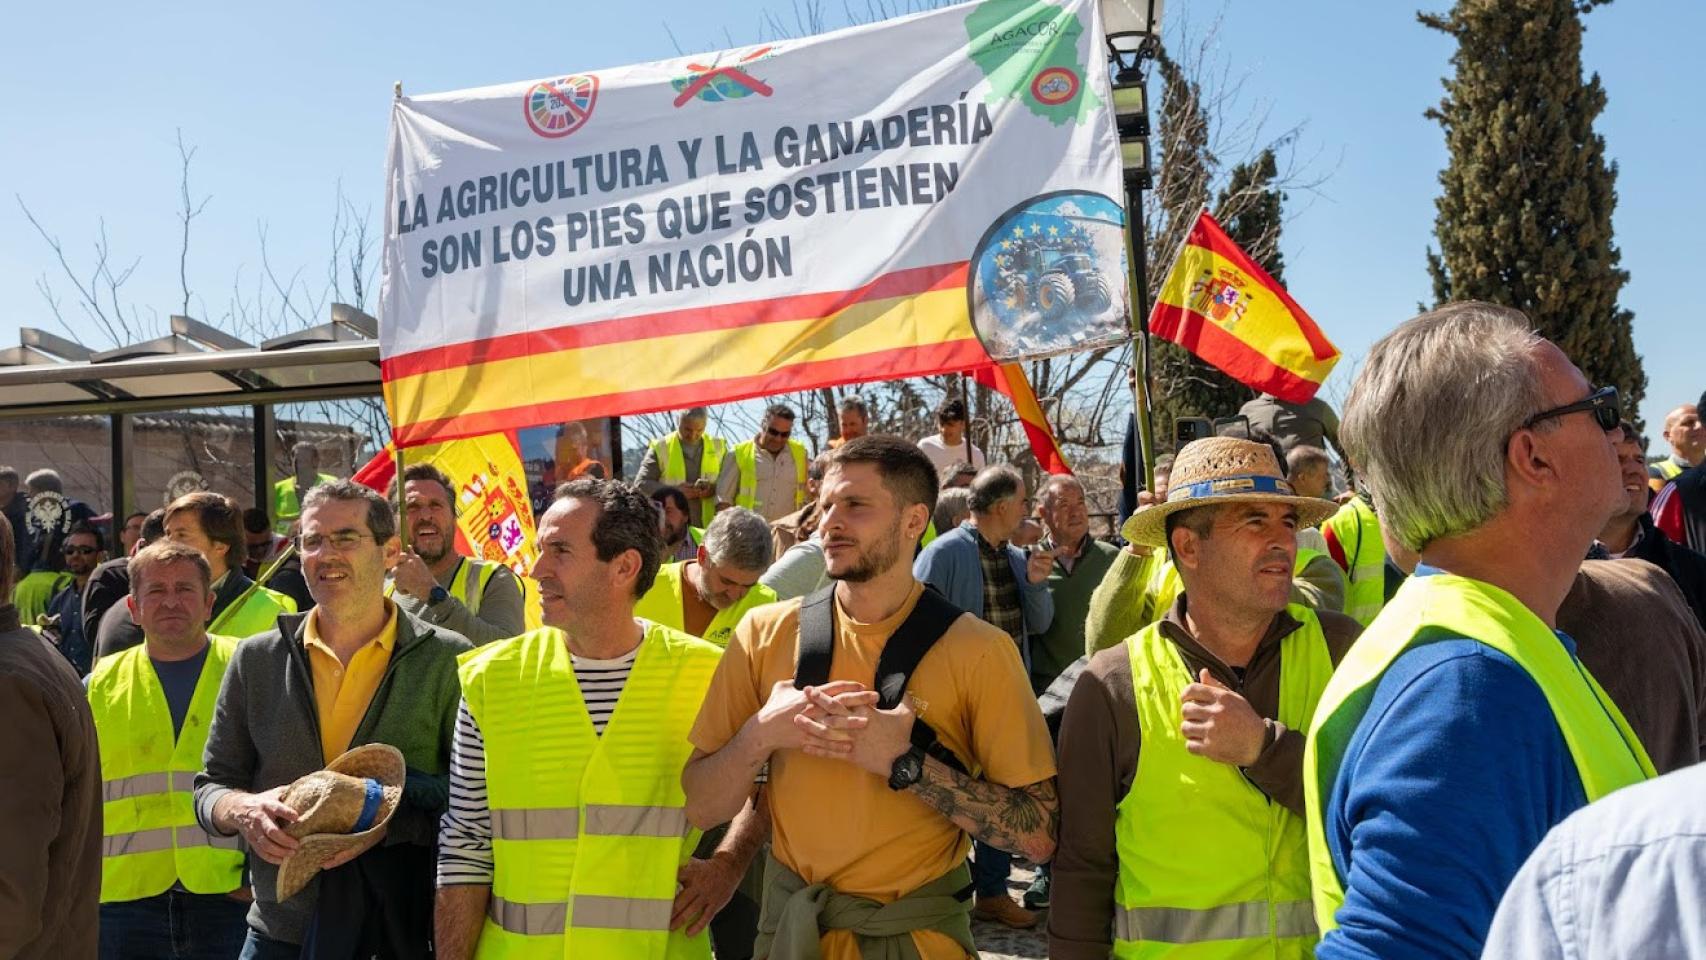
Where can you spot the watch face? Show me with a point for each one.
(908, 767)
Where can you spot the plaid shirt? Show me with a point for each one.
(1000, 591)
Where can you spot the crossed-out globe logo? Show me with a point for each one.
(557, 108)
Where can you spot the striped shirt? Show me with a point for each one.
(465, 832)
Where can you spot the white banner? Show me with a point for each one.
(883, 201)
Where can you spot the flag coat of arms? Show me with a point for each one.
(1222, 306)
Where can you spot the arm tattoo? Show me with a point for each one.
(1022, 820)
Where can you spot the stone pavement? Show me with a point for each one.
(996, 942)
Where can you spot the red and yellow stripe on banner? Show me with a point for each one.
(1222, 306)
(907, 323)
(1009, 380)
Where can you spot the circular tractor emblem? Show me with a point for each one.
(557, 108)
(1054, 86)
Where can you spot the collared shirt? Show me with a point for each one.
(1067, 561)
(342, 691)
(1000, 591)
(687, 549)
(775, 482)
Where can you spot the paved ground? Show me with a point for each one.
(996, 942)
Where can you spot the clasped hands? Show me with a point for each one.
(839, 720)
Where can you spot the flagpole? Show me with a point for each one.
(1131, 113)
(1141, 383)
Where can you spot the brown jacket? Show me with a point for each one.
(1098, 760)
(50, 803)
(1636, 634)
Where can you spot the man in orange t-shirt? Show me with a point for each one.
(853, 804)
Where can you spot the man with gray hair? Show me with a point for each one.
(287, 494)
(1309, 471)
(357, 669)
(1463, 726)
(723, 580)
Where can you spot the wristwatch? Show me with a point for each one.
(437, 596)
(907, 769)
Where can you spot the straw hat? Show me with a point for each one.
(1217, 470)
(360, 789)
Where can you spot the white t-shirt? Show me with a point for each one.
(942, 455)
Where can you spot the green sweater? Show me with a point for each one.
(1063, 642)
(1121, 605)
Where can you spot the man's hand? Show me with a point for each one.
(260, 818)
(1221, 725)
(775, 720)
(706, 887)
(693, 491)
(1039, 565)
(412, 576)
(340, 859)
(856, 731)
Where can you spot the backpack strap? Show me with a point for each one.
(929, 620)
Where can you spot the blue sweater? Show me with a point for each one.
(1453, 777)
(951, 564)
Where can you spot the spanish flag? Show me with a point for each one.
(1222, 306)
(1009, 380)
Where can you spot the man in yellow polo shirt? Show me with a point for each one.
(354, 670)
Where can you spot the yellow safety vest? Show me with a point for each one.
(665, 603)
(1606, 751)
(1669, 469)
(150, 839)
(588, 831)
(285, 506)
(254, 614)
(672, 470)
(467, 583)
(746, 461)
(1358, 531)
(35, 591)
(1209, 866)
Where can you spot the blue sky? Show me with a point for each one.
(282, 102)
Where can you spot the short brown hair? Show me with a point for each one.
(626, 521)
(906, 471)
(220, 519)
(163, 552)
(426, 471)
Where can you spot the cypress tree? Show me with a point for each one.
(1525, 213)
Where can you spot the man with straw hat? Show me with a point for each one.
(567, 833)
(1182, 832)
(355, 670)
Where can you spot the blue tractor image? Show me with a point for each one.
(1049, 275)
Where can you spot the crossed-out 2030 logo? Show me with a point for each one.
(557, 108)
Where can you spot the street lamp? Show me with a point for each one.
(1132, 30)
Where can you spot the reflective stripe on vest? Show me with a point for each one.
(258, 613)
(1357, 529)
(665, 603)
(746, 462)
(588, 831)
(1205, 858)
(470, 587)
(1669, 469)
(150, 837)
(1606, 752)
(672, 470)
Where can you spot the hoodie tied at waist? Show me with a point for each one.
(796, 914)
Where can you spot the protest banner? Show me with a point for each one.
(910, 197)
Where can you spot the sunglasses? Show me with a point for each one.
(1602, 403)
(75, 551)
(779, 434)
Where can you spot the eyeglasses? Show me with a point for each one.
(76, 551)
(343, 541)
(779, 434)
(1602, 403)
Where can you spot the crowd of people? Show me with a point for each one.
(796, 707)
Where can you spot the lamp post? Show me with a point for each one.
(1132, 28)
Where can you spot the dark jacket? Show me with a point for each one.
(108, 586)
(266, 733)
(1685, 566)
(50, 803)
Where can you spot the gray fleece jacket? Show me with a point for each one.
(266, 733)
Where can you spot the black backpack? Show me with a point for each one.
(926, 624)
